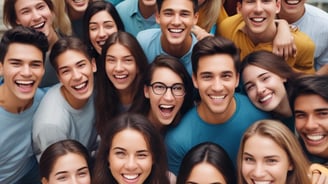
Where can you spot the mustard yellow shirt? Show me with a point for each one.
(232, 28)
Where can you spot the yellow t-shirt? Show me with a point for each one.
(232, 28)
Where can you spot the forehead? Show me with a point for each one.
(70, 57)
(18, 51)
(165, 75)
(183, 5)
(216, 63)
(310, 102)
(20, 4)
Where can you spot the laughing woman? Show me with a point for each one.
(39, 15)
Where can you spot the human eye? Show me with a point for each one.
(159, 87)
(110, 60)
(93, 27)
(142, 155)
(249, 86)
(83, 173)
(108, 25)
(271, 161)
(41, 6)
(226, 76)
(36, 64)
(299, 115)
(178, 88)
(61, 177)
(206, 76)
(323, 114)
(15, 63)
(81, 65)
(120, 154)
(185, 14)
(168, 13)
(248, 159)
(249, 1)
(129, 60)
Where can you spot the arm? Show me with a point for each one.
(283, 43)
(200, 32)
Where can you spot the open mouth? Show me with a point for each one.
(101, 42)
(120, 77)
(261, 182)
(258, 19)
(39, 26)
(81, 86)
(265, 98)
(131, 177)
(315, 137)
(24, 83)
(166, 108)
(293, 2)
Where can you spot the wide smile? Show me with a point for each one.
(81, 86)
(39, 25)
(257, 20)
(25, 85)
(265, 98)
(261, 182)
(131, 178)
(293, 2)
(315, 137)
(166, 110)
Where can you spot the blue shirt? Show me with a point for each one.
(132, 19)
(150, 41)
(192, 130)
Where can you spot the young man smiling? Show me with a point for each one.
(22, 54)
(221, 116)
(71, 100)
(176, 18)
(254, 28)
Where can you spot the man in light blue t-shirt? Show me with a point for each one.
(137, 15)
(22, 54)
(174, 37)
(221, 115)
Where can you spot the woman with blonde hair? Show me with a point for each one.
(270, 152)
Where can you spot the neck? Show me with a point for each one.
(146, 11)
(266, 36)
(292, 18)
(216, 118)
(74, 15)
(73, 102)
(176, 50)
(11, 103)
(283, 108)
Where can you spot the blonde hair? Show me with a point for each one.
(208, 13)
(280, 134)
(62, 22)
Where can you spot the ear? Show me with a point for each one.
(44, 180)
(196, 18)
(194, 80)
(157, 17)
(291, 167)
(278, 6)
(1, 68)
(146, 91)
(93, 65)
(238, 7)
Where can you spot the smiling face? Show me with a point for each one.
(75, 72)
(69, 169)
(35, 14)
(121, 67)
(265, 89)
(21, 72)
(164, 108)
(130, 159)
(264, 161)
(216, 80)
(205, 173)
(311, 122)
(176, 18)
(77, 5)
(259, 15)
(101, 26)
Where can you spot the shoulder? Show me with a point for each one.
(148, 33)
(230, 25)
(125, 8)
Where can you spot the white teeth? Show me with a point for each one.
(262, 182)
(293, 1)
(316, 137)
(176, 30)
(38, 25)
(101, 43)
(166, 106)
(120, 76)
(257, 19)
(265, 98)
(77, 1)
(80, 86)
(218, 97)
(24, 82)
(130, 177)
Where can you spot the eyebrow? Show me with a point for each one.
(64, 172)
(191, 182)
(106, 21)
(77, 63)
(269, 156)
(20, 60)
(139, 151)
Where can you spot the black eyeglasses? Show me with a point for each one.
(159, 88)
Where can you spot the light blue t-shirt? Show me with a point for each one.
(115, 2)
(192, 130)
(56, 120)
(16, 154)
(132, 19)
(314, 23)
(150, 41)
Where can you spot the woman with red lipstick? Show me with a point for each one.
(39, 15)
(119, 76)
(270, 153)
(167, 93)
(132, 151)
(266, 80)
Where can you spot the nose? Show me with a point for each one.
(217, 86)
(36, 15)
(311, 123)
(102, 32)
(176, 19)
(168, 95)
(118, 66)
(26, 71)
(131, 164)
(259, 6)
(259, 170)
(260, 88)
(76, 74)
